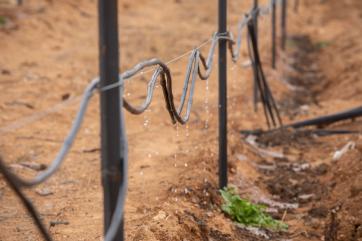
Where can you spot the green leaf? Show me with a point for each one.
(247, 213)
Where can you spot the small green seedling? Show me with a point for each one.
(246, 213)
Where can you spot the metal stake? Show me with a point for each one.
(255, 89)
(223, 179)
(284, 24)
(274, 34)
(256, 5)
(110, 103)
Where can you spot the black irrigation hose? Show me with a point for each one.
(319, 121)
(329, 119)
(332, 132)
(270, 108)
(318, 132)
(9, 178)
(164, 73)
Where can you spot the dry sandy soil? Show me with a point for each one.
(49, 53)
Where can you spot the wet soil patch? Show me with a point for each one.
(286, 136)
(294, 182)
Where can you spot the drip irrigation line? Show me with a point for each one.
(320, 121)
(55, 164)
(318, 132)
(10, 178)
(130, 75)
(329, 119)
(332, 132)
(163, 72)
(234, 47)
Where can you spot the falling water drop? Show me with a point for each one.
(177, 131)
(207, 112)
(145, 122)
(233, 86)
(187, 130)
(175, 159)
(146, 119)
(233, 67)
(177, 137)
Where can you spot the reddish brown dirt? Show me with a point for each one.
(49, 53)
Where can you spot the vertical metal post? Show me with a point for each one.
(110, 104)
(284, 24)
(256, 6)
(274, 34)
(255, 89)
(223, 177)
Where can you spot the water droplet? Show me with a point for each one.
(206, 126)
(177, 130)
(186, 165)
(175, 160)
(146, 121)
(149, 155)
